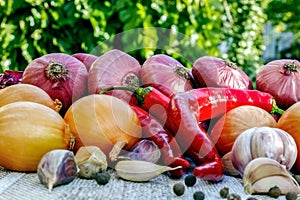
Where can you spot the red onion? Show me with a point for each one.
(10, 77)
(62, 76)
(114, 68)
(86, 59)
(281, 79)
(166, 74)
(215, 72)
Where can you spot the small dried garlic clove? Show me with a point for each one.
(263, 173)
(91, 160)
(57, 167)
(140, 171)
(229, 168)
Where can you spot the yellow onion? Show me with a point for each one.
(236, 121)
(28, 130)
(28, 92)
(103, 121)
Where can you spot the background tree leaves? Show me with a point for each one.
(185, 29)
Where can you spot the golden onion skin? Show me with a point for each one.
(28, 92)
(28, 130)
(103, 121)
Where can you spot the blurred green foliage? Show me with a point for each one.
(184, 29)
(284, 15)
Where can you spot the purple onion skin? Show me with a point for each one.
(166, 74)
(114, 68)
(61, 75)
(10, 77)
(86, 59)
(145, 150)
(215, 72)
(281, 79)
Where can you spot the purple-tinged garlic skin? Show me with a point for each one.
(57, 167)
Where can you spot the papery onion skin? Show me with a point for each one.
(10, 77)
(145, 150)
(28, 92)
(210, 71)
(236, 121)
(28, 130)
(114, 68)
(103, 121)
(290, 122)
(281, 79)
(86, 58)
(166, 74)
(61, 75)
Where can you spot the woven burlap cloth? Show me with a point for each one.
(14, 185)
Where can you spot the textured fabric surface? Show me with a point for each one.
(15, 185)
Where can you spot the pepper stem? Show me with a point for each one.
(139, 92)
(114, 153)
(128, 88)
(276, 109)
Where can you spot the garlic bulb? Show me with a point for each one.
(90, 160)
(263, 142)
(57, 167)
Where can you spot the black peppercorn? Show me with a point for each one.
(224, 192)
(178, 189)
(198, 195)
(102, 178)
(291, 196)
(274, 192)
(190, 180)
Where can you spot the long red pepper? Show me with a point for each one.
(208, 103)
(170, 150)
(186, 109)
(149, 98)
(192, 139)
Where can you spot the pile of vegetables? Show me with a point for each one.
(159, 116)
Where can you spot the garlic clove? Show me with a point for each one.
(57, 167)
(140, 171)
(263, 173)
(90, 160)
(229, 168)
(263, 185)
(263, 167)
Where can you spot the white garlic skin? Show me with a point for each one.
(91, 160)
(267, 142)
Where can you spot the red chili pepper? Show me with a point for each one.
(170, 151)
(185, 110)
(208, 103)
(188, 108)
(148, 98)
